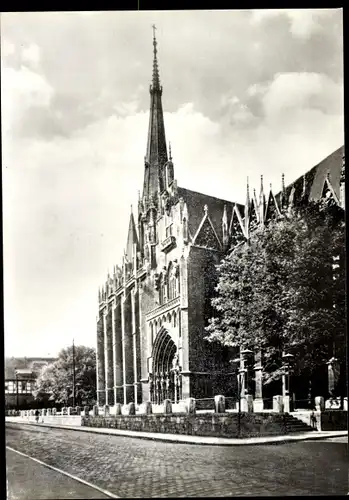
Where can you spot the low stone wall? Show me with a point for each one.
(74, 420)
(335, 420)
(328, 420)
(215, 425)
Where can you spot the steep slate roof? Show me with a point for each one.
(316, 176)
(12, 364)
(196, 202)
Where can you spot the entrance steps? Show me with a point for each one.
(294, 424)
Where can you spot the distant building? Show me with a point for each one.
(20, 377)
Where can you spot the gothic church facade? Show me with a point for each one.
(153, 309)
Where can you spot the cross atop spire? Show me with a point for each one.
(156, 79)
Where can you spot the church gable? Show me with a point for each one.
(253, 214)
(236, 232)
(206, 236)
(272, 209)
(328, 194)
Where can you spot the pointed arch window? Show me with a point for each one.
(172, 282)
(161, 290)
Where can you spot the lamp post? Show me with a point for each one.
(241, 387)
(73, 375)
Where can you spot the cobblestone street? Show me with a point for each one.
(131, 467)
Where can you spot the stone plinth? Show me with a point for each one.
(167, 406)
(319, 403)
(146, 408)
(131, 409)
(247, 403)
(191, 405)
(258, 405)
(287, 403)
(278, 405)
(219, 404)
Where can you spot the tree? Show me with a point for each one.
(280, 292)
(56, 379)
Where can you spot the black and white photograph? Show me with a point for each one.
(174, 253)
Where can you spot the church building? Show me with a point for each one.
(153, 309)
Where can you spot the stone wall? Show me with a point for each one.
(74, 420)
(215, 425)
(335, 420)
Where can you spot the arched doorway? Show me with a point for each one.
(164, 379)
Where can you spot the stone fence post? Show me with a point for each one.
(54, 411)
(106, 411)
(148, 409)
(278, 405)
(219, 404)
(191, 405)
(86, 411)
(117, 408)
(70, 410)
(95, 411)
(131, 409)
(78, 410)
(44, 412)
(319, 403)
(167, 406)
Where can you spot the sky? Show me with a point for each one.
(245, 93)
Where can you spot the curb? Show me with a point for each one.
(202, 440)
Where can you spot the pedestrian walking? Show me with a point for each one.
(37, 415)
(313, 419)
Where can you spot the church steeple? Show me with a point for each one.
(156, 155)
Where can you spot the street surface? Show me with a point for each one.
(29, 480)
(133, 467)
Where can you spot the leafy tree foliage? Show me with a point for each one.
(56, 379)
(284, 292)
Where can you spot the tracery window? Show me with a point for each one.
(172, 282)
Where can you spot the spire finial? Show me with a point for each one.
(156, 80)
(283, 182)
(205, 209)
(247, 192)
(261, 194)
(169, 151)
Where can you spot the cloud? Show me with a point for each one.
(21, 90)
(31, 55)
(296, 91)
(303, 22)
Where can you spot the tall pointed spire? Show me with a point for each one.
(156, 155)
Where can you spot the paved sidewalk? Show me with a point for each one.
(181, 438)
